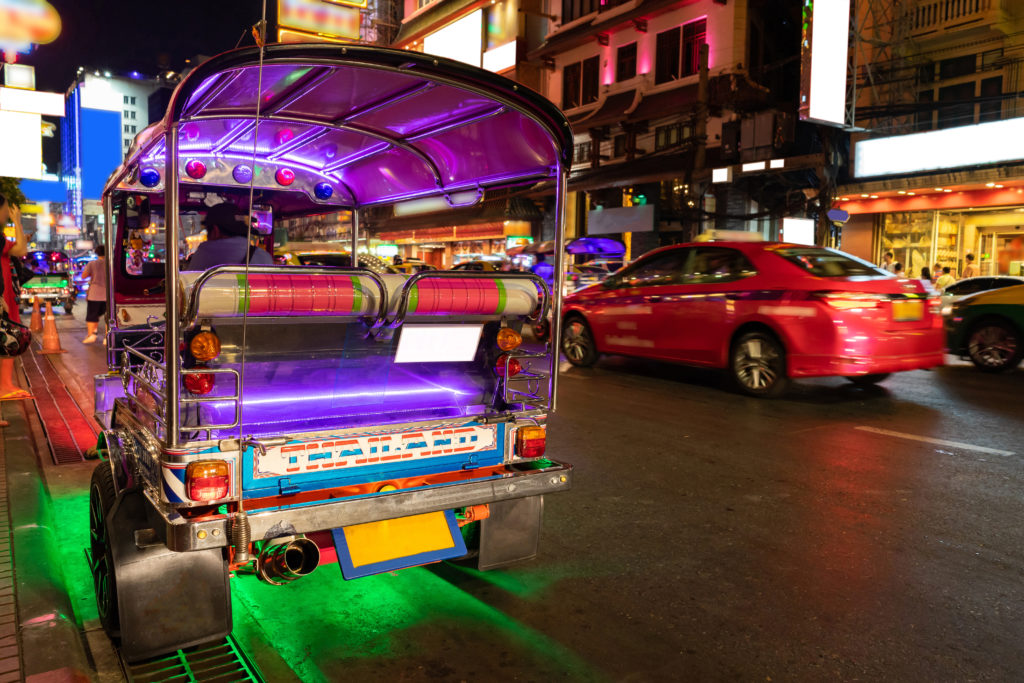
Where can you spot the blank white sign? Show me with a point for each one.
(438, 343)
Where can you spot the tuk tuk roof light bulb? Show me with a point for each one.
(323, 191)
(284, 176)
(242, 173)
(149, 177)
(195, 169)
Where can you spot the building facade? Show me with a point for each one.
(938, 174)
(660, 95)
(103, 114)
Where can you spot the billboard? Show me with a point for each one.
(100, 136)
(22, 145)
(318, 17)
(824, 45)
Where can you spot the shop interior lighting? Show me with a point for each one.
(901, 192)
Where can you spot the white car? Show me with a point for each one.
(962, 288)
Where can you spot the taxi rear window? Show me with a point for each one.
(828, 263)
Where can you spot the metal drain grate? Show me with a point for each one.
(67, 430)
(218, 662)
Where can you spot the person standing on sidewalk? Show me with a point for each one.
(96, 298)
(16, 248)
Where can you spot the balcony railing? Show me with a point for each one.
(939, 17)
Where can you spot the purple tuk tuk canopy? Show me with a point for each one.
(351, 126)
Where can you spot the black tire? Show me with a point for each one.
(578, 342)
(869, 380)
(102, 494)
(757, 363)
(994, 345)
(69, 306)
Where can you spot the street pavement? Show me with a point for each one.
(833, 533)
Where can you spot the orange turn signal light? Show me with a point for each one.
(531, 442)
(204, 346)
(509, 339)
(207, 480)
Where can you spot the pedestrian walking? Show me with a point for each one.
(926, 276)
(970, 270)
(96, 298)
(944, 280)
(16, 248)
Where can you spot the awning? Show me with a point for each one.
(666, 103)
(612, 110)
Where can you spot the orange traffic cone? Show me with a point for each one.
(51, 341)
(36, 323)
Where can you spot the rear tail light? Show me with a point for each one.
(200, 383)
(935, 305)
(531, 442)
(207, 480)
(513, 365)
(848, 301)
(204, 346)
(509, 339)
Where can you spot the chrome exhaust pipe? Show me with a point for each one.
(285, 562)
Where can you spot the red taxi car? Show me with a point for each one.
(765, 311)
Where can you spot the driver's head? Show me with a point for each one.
(220, 221)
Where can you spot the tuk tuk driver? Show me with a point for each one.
(226, 242)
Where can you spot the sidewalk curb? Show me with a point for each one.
(51, 646)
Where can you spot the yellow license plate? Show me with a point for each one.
(907, 310)
(381, 542)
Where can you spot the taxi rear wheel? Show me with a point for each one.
(578, 343)
(994, 346)
(758, 364)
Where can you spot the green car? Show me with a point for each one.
(988, 327)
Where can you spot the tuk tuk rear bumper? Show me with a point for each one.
(183, 535)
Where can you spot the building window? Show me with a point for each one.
(126, 99)
(956, 67)
(671, 135)
(133, 116)
(133, 99)
(619, 146)
(132, 129)
(574, 9)
(991, 108)
(958, 109)
(126, 128)
(580, 83)
(581, 153)
(126, 112)
(923, 117)
(677, 51)
(625, 63)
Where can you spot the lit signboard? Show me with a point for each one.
(31, 101)
(797, 230)
(823, 52)
(22, 145)
(461, 40)
(28, 21)
(983, 143)
(314, 16)
(286, 35)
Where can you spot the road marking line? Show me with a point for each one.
(938, 442)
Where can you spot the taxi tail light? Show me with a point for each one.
(513, 365)
(935, 305)
(207, 480)
(845, 301)
(509, 339)
(200, 383)
(205, 346)
(531, 442)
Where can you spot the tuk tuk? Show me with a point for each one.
(266, 419)
(52, 280)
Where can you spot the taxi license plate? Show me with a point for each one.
(903, 311)
(376, 547)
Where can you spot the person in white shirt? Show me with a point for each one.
(888, 263)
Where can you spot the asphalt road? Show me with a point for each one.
(711, 536)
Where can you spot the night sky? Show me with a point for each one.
(139, 35)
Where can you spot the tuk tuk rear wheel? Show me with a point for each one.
(102, 494)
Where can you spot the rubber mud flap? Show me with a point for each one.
(511, 533)
(167, 600)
